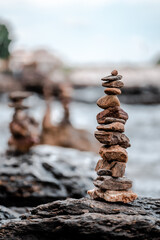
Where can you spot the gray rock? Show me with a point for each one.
(45, 174)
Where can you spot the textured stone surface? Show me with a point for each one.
(112, 91)
(115, 152)
(113, 84)
(104, 172)
(115, 127)
(45, 174)
(114, 112)
(116, 169)
(108, 101)
(110, 183)
(88, 220)
(112, 138)
(111, 78)
(113, 196)
(110, 120)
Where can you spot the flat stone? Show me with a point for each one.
(116, 168)
(111, 78)
(112, 138)
(111, 120)
(115, 152)
(19, 95)
(113, 112)
(115, 127)
(113, 84)
(108, 101)
(113, 196)
(110, 183)
(112, 91)
(17, 106)
(104, 172)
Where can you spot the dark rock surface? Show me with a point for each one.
(87, 219)
(45, 174)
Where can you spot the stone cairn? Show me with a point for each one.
(24, 128)
(111, 185)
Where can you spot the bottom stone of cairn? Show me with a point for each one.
(112, 196)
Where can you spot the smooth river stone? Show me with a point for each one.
(114, 73)
(108, 101)
(112, 91)
(111, 78)
(113, 112)
(112, 138)
(116, 168)
(115, 152)
(113, 84)
(115, 127)
(110, 183)
(113, 196)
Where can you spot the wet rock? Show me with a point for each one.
(45, 174)
(110, 183)
(108, 101)
(112, 138)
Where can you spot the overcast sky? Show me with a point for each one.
(90, 31)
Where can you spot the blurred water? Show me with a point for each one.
(143, 129)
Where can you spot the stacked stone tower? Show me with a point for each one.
(24, 129)
(111, 185)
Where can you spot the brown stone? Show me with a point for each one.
(110, 183)
(113, 196)
(115, 152)
(19, 95)
(112, 138)
(112, 91)
(17, 106)
(113, 84)
(104, 172)
(111, 120)
(100, 165)
(111, 78)
(117, 168)
(115, 127)
(108, 101)
(114, 73)
(114, 112)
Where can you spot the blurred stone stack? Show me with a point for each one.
(111, 185)
(24, 129)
